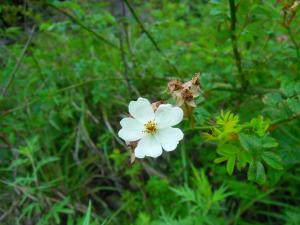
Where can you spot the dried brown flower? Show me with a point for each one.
(185, 93)
(174, 85)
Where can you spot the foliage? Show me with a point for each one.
(68, 71)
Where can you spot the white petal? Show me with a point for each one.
(169, 138)
(166, 115)
(132, 129)
(141, 110)
(131, 123)
(148, 146)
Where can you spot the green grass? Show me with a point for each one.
(69, 70)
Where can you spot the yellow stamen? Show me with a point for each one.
(150, 127)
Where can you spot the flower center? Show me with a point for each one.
(150, 127)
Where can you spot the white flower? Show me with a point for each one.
(152, 130)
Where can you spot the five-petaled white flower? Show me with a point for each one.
(152, 129)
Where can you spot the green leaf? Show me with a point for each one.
(249, 142)
(243, 158)
(230, 165)
(256, 172)
(287, 87)
(252, 171)
(260, 173)
(297, 87)
(272, 99)
(228, 150)
(88, 214)
(294, 104)
(269, 142)
(201, 115)
(272, 160)
(260, 125)
(220, 159)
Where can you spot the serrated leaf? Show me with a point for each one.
(294, 104)
(230, 165)
(272, 160)
(287, 88)
(272, 99)
(297, 87)
(249, 142)
(201, 115)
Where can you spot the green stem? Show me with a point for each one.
(152, 40)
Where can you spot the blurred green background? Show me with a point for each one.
(68, 72)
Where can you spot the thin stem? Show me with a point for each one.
(125, 26)
(236, 53)
(136, 17)
(74, 19)
(276, 123)
(152, 40)
(18, 64)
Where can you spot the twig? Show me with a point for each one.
(136, 17)
(111, 130)
(123, 57)
(236, 53)
(74, 19)
(14, 204)
(125, 34)
(276, 123)
(17, 66)
(125, 26)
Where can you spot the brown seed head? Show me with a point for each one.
(174, 85)
(187, 95)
